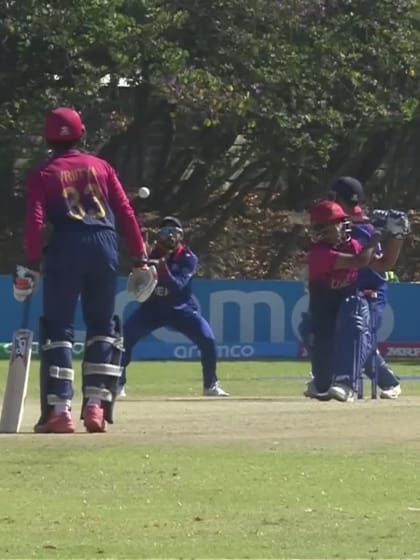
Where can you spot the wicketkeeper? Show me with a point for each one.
(349, 193)
(172, 305)
(80, 196)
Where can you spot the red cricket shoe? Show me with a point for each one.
(57, 423)
(93, 418)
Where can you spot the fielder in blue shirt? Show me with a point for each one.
(172, 305)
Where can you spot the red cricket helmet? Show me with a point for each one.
(326, 212)
(63, 125)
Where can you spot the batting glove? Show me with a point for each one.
(25, 282)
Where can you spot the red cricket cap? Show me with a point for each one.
(63, 125)
(326, 212)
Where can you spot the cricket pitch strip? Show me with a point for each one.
(274, 423)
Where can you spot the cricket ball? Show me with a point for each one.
(144, 192)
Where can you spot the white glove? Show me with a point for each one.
(25, 282)
(142, 282)
(397, 224)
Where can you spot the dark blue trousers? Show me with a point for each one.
(338, 345)
(77, 264)
(386, 377)
(149, 317)
(323, 357)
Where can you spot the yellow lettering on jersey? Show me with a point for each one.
(89, 200)
(76, 210)
(338, 284)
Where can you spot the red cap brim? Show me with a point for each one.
(357, 211)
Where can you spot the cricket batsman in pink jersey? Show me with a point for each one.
(80, 196)
(340, 339)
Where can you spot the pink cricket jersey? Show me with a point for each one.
(321, 262)
(76, 191)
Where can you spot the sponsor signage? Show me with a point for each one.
(251, 319)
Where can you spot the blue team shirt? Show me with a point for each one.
(174, 287)
(367, 278)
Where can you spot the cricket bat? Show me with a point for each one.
(17, 376)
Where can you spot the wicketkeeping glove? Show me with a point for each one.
(25, 282)
(142, 282)
(397, 224)
(378, 218)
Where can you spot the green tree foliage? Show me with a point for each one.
(51, 54)
(223, 97)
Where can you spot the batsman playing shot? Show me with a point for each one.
(338, 338)
(80, 196)
(337, 330)
(171, 304)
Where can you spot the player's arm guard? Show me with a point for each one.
(141, 282)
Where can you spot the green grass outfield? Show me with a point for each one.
(262, 474)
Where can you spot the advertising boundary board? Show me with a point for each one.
(251, 319)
